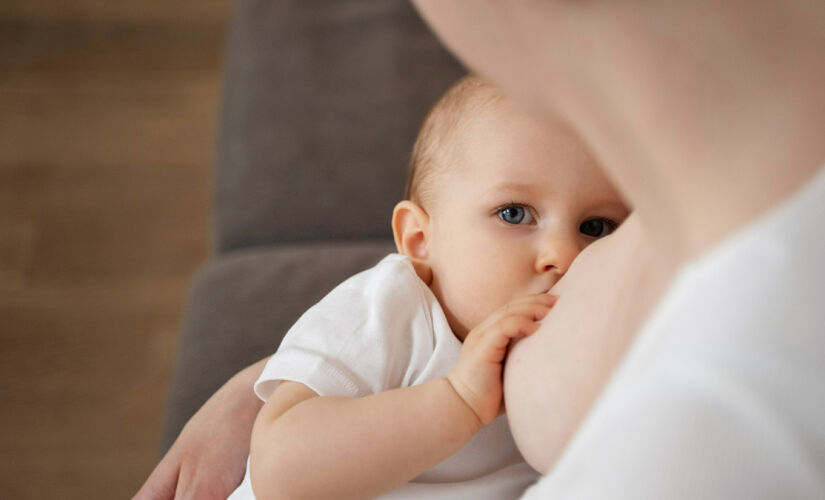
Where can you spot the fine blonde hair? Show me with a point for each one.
(440, 131)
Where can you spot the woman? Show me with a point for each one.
(709, 117)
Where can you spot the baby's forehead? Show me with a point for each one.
(503, 141)
(470, 118)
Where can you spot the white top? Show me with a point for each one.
(383, 329)
(722, 395)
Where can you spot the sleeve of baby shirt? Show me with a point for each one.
(361, 339)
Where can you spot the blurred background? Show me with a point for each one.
(107, 118)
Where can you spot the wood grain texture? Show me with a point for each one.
(107, 118)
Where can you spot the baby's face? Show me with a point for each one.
(512, 211)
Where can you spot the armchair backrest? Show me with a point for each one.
(321, 103)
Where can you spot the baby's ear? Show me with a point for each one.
(411, 230)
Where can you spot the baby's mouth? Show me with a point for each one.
(541, 288)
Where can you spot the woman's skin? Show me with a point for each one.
(682, 101)
(705, 114)
(602, 299)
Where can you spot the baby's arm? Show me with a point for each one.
(337, 447)
(306, 446)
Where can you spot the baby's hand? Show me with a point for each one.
(476, 376)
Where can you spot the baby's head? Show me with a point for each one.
(498, 204)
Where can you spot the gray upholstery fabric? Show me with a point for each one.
(241, 306)
(322, 100)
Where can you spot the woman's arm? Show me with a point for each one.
(208, 458)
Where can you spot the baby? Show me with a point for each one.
(391, 385)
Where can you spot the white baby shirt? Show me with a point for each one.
(383, 329)
(722, 395)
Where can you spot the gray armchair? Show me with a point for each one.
(321, 103)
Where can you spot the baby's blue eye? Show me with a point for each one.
(515, 214)
(597, 228)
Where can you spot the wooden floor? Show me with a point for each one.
(107, 117)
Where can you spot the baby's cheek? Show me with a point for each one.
(478, 302)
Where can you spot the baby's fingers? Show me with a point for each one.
(536, 298)
(513, 326)
(535, 310)
(517, 319)
(491, 343)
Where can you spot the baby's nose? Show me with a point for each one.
(557, 254)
